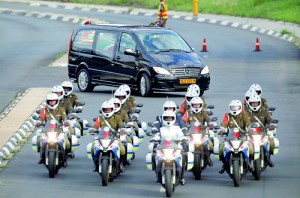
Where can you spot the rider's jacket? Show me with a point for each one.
(73, 99)
(191, 116)
(113, 123)
(58, 114)
(261, 116)
(242, 120)
(172, 133)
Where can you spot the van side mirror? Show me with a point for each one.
(130, 52)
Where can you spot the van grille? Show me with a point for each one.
(186, 71)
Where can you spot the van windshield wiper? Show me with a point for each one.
(174, 50)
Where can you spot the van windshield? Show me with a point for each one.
(162, 41)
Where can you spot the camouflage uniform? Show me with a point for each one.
(66, 105)
(124, 117)
(264, 104)
(73, 99)
(243, 122)
(129, 105)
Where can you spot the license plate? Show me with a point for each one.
(187, 81)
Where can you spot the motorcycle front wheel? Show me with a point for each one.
(236, 173)
(197, 166)
(51, 164)
(104, 172)
(169, 183)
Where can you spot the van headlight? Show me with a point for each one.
(205, 70)
(160, 70)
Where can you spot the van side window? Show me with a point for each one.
(105, 43)
(127, 42)
(84, 41)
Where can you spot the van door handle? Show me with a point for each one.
(118, 57)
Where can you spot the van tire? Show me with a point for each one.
(84, 81)
(145, 85)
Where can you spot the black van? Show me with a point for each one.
(144, 57)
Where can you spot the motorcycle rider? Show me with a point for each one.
(68, 93)
(192, 91)
(258, 89)
(170, 132)
(262, 116)
(236, 117)
(50, 112)
(129, 104)
(64, 103)
(108, 119)
(168, 105)
(196, 113)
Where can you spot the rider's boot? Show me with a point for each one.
(122, 160)
(270, 163)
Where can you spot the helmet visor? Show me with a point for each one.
(235, 108)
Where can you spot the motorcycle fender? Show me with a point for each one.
(136, 143)
(34, 143)
(89, 150)
(211, 133)
(85, 129)
(256, 151)
(77, 133)
(216, 147)
(191, 147)
(276, 148)
(150, 147)
(74, 142)
(144, 126)
(190, 162)
(149, 161)
(129, 150)
(141, 135)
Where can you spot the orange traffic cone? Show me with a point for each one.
(204, 48)
(257, 47)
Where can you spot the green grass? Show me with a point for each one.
(279, 10)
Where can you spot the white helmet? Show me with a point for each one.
(169, 118)
(51, 97)
(169, 104)
(127, 90)
(254, 102)
(194, 87)
(248, 94)
(235, 107)
(257, 88)
(189, 95)
(120, 93)
(117, 104)
(196, 100)
(59, 90)
(108, 105)
(68, 87)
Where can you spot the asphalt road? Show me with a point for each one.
(234, 67)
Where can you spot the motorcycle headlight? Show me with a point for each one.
(105, 143)
(51, 136)
(235, 144)
(197, 138)
(168, 153)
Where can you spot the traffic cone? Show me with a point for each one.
(257, 47)
(204, 48)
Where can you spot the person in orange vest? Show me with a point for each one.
(162, 15)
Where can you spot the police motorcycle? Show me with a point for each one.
(53, 146)
(236, 155)
(199, 145)
(106, 154)
(259, 137)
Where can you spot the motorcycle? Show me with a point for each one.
(53, 146)
(236, 156)
(199, 145)
(106, 154)
(169, 161)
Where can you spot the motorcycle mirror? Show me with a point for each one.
(217, 127)
(275, 121)
(88, 125)
(209, 113)
(81, 103)
(100, 111)
(66, 124)
(137, 110)
(35, 117)
(94, 119)
(139, 105)
(150, 124)
(210, 107)
(38, 111)
(272, 108)
(214, 119)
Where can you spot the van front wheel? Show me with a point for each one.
(84, 81)
(145, 85)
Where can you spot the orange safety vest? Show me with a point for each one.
(162, 14)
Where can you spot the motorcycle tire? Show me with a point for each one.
(104, 172)
(265, 157)
(169, 183)
(197, 166)
(256, 173)
(51, 164)
(236, 173)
